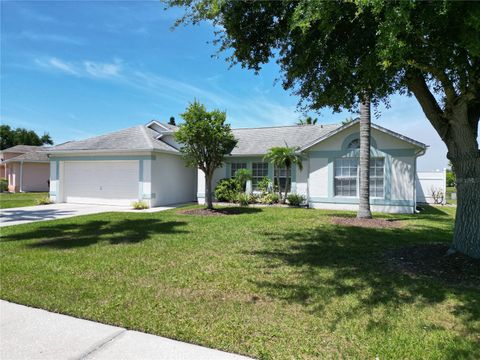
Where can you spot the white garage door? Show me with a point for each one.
(100, 182)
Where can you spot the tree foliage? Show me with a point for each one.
(335, 53)
(10, 137)
(206, 138)
(284, 157)
(307, 121)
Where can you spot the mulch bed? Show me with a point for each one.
(431, 260)
(204, 212)
(366, 223)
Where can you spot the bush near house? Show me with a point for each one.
(3, 185)
(227, 190)
(140, 205)
(295, 199)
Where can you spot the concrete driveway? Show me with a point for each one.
(23, 215)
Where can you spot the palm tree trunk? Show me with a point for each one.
(278, 184)
(364, 196)
(287, 178)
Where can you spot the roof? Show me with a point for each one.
(257, 141)
(374, 126)
(32, 156)
(22, 148)
(132, 139)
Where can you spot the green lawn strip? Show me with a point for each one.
(10, 200)
(272, 283)
(450, 190)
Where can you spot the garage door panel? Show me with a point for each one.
(101, 182)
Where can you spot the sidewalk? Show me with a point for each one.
(29, 333)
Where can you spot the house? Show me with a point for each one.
(26, 168)
(329, 179)
(138, 163)
(144, 163)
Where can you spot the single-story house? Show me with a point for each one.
(26, 168)
(144, 163)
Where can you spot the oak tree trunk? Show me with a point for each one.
(364, 178)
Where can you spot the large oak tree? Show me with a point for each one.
(330, 51)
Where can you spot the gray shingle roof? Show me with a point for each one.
(22, 148)
(131, 139)
(32, 156)
(256, 141)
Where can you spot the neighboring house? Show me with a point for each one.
(144, 163)
(26, 168)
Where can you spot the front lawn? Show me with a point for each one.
(9, 200)
(272, 283)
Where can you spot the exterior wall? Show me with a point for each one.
(34, 176)
(399, 170)
(426, 181)
(172, 182)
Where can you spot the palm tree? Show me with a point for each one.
(307, 121)
(284, 157)
(364, 198)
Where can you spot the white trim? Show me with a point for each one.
(374, 126)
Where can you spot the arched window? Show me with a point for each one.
(354, 144)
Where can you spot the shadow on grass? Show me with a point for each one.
(74, 235)
(339, 263)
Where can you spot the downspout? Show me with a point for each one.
(418, 154)
(21, 176)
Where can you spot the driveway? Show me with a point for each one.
(23, 215)
(28, 333)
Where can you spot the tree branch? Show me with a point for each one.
(417, 85)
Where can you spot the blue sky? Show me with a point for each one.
(80, 69)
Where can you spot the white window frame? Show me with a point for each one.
(257, 178)
(357, 177)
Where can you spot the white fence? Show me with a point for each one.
(431, 186)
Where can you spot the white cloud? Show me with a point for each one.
(57, 64)
(102, 70)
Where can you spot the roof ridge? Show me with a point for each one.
(144, 131)
(285, 126)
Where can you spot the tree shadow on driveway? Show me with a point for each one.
(75, 235)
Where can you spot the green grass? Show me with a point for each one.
(8, 200)
(450, 190)
(273, 283)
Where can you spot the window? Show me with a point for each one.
(259, 171)
(346, 174)
(345, 177)
(376, 177)
(236, 166)
(354, 144)
(283, 177)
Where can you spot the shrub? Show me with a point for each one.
(3, 185)
(242, 176)
(227, 190)
(44, 200)
(264, 185)
(252, 198)
(450, 178)
(140, 205)
(295, 199)
(270, 199)
(243, 199)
